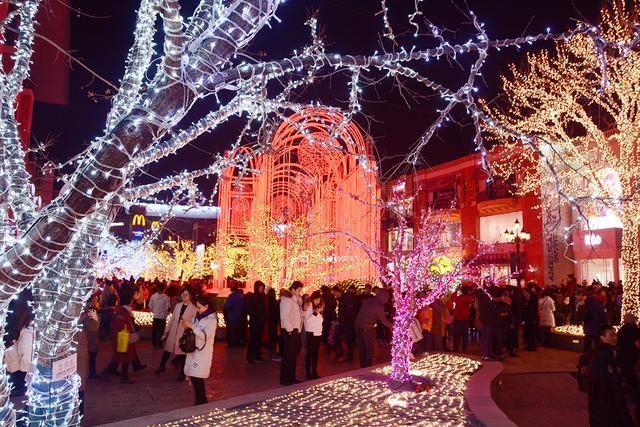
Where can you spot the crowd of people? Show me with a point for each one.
(341, 319)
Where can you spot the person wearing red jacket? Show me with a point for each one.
(462, 310)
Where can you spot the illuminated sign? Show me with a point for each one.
(138, 224)
(592, 239)
(155, 225)
(139, 221)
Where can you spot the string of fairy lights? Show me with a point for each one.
(201, 59)
(365, 399)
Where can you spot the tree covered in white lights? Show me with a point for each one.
(579, 103)
(53, 250)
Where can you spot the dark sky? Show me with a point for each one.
(350, 26)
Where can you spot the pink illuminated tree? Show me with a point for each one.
(417, 277)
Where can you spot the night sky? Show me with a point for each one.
(350, 26)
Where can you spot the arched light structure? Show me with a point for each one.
(321, 167)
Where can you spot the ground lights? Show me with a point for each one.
(365, 399)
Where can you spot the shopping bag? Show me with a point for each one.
(122, 341)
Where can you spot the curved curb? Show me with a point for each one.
(478, 397)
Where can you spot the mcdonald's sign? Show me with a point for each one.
(139, 220)
(155, 225)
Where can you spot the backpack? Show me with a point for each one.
(187, 341)
(585, 363)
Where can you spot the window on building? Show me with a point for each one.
(492, 227)
(599, 269)
(451, 235)
(407, 242)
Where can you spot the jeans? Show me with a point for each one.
(348, 332)
(545, 331)
(513, 337)
(157, 330)
(179, 361)
(106, 314)
(290, 350)
(460, 330)
(313, 348)
(529, 335)
(233, 333)
(256, 328)
(93, 355)
(199, 390)
(590, 342)
(366, 342)
(488, 332)
(434, 341)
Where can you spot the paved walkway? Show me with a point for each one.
(537, 389)
(534, 389)
(231, 376)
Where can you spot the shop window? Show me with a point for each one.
(492, 227)
(599, 269)
(451, 235)
(407, 243)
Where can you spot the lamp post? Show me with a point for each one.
(517, 236)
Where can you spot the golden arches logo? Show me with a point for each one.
(155, 225)
(139, 221)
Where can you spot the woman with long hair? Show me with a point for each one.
(313, 308)
(184, 310)
(198, 364)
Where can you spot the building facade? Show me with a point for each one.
(480, 212)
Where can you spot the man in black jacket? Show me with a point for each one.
(372, 311)
(329, 313)
(489, 319)
(257, 311)
(347, 311)
(607, 403)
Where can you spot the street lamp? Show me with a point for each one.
(517, 236)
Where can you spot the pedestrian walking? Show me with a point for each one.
(184, 310)
(607, 402)
(233, 309)
(547, 307)
(372, 311)
(461, 312)
(198, 363)
(160, 305)
(257, 311)
(313, 322)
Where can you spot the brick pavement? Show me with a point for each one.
(537, 389)
(108, 400)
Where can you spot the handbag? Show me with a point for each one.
(187, 341)
(122, 341)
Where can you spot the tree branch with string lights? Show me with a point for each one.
(417, 278)
(578, 106)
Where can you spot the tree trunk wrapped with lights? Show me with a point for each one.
(417, 278)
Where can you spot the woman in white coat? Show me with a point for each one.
(198, 364)
(184, 310)
(546, 307)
